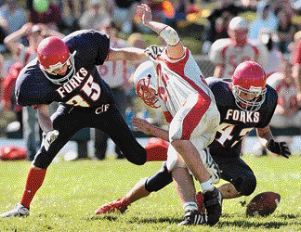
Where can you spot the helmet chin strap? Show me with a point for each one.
(64, 79)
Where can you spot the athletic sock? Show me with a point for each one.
(34, 181)
(207, 186)
(190, 206)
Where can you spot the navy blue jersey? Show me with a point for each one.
(84, 89)
(236, 123)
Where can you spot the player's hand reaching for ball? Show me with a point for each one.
(279, 148)
(142, 125)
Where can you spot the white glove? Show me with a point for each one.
(153, 52)
(49, 138)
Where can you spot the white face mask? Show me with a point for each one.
(52, 70)
(249, 99)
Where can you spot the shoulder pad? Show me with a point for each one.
(215, 54)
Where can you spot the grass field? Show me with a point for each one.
(73, 190)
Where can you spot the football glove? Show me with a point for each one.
(279, 148)
(49, 138)
(153, 52)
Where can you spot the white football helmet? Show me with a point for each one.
(238, 30)
(145, 80)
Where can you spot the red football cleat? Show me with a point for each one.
(200, 202)
(119, 206)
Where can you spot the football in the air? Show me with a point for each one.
(263, 204)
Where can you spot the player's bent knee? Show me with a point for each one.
(159, 180)
(40, 163)
(42, 160)
(138, 157)
(137, 160)
(247, 185)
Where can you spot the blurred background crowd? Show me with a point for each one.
(266, 31)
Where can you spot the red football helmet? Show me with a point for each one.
(145, 81)
(238, 30)
(249, 85)
(53, 54)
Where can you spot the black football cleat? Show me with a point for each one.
(193, 217)
(213, 204)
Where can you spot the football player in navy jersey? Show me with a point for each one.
(65, 72)
(244, 104)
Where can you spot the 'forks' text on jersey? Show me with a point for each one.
(242, 116)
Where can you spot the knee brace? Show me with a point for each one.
(245, 185)
(159, 180)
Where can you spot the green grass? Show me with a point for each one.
(73, 190)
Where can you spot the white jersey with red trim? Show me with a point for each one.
(178, 79)
(115, 73)
(224, 52)
(287, 91)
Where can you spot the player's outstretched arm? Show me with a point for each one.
(127, 53)
(149, 129)
(175, 49)
(44, 118)
(265, 135)
(49, 134)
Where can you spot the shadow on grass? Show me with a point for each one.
(242, 223)
(247, 224)
(106, 217)
(171, 220)
(289, 216)
(137, 220)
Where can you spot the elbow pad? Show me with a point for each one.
(170, 36)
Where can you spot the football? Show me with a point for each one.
(263, 204)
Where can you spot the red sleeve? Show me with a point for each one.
(168, 116)
(8, 86)
(297, 53)
(9, 81)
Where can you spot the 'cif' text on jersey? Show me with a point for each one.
(243, 116)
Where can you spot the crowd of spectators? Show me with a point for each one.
(272, 24)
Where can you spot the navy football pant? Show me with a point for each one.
(237, 172)
(101, 138)
(233, 170)
(69, 120)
